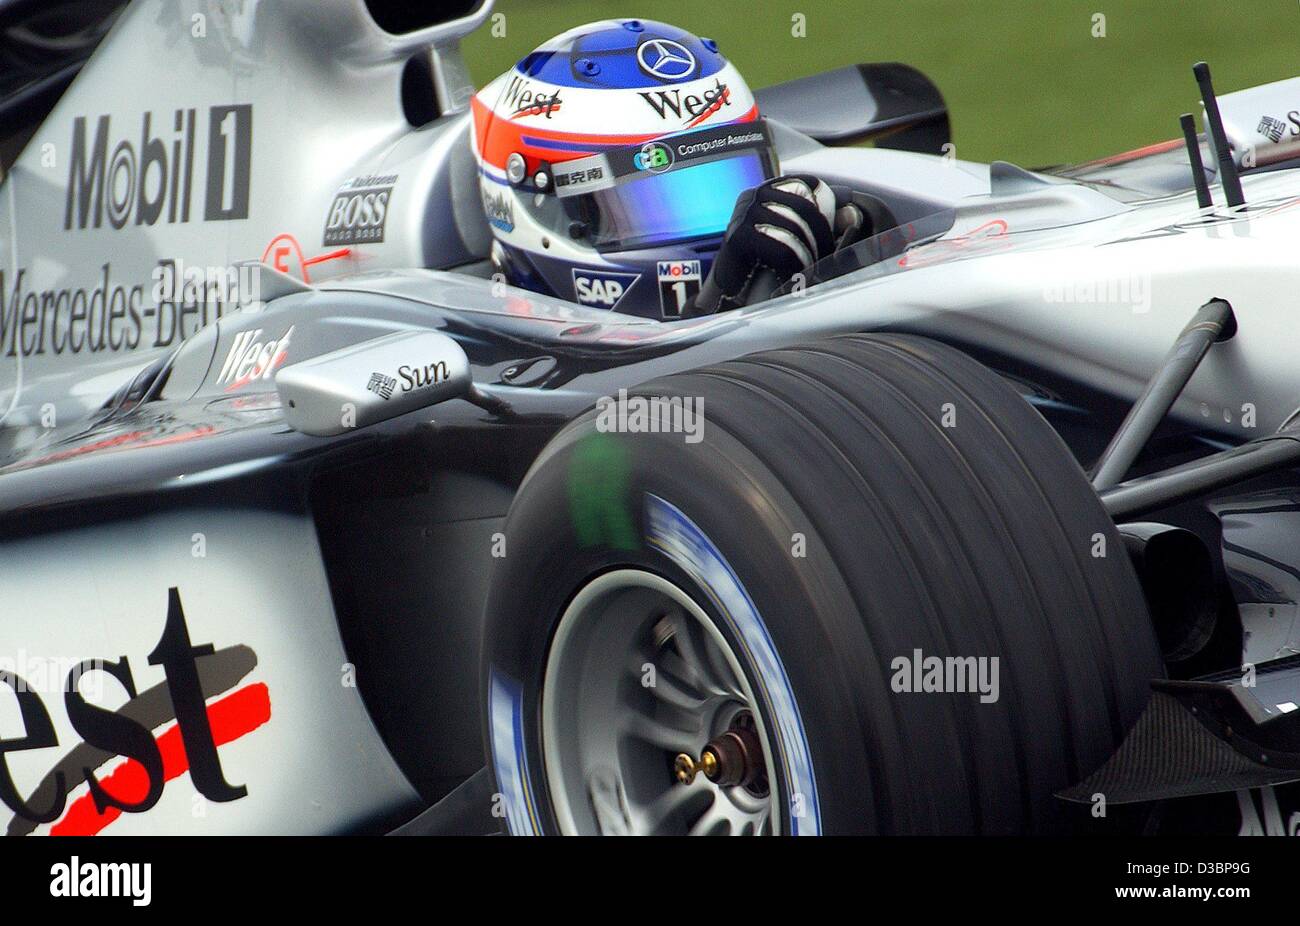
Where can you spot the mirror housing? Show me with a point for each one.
(1262, 123)
(373, 381)
(894, 105)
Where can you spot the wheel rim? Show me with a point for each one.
(637, 674)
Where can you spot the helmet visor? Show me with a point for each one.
(667, 191)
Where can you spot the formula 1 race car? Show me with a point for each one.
(312, 523)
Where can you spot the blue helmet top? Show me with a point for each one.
(623, 55)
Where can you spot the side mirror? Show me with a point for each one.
(894, 105)
(373, 381)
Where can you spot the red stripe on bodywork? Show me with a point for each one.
(240, 712)
(328, 255)
(128, 441)
(1124, 157)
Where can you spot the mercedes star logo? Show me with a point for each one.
(665, 59)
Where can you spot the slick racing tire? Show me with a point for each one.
(873, 583)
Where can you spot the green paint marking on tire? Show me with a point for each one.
(598, 489)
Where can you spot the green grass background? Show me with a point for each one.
(1025, 80)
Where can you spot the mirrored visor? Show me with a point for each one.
(669, 190)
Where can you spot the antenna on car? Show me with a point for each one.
(1203, 197)
(1227, 166)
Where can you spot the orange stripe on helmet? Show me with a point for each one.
(498, 137)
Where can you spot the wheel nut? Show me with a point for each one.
(739, 757)
(686, 768)
(733, 758)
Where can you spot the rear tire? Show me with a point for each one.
(851, 501)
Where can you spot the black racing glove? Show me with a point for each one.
(777, 230)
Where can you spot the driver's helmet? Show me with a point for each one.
(610, 160)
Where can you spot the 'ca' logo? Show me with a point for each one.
(653, 157)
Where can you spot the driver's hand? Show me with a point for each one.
(778, 229)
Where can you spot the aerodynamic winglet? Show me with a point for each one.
(274, 283)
